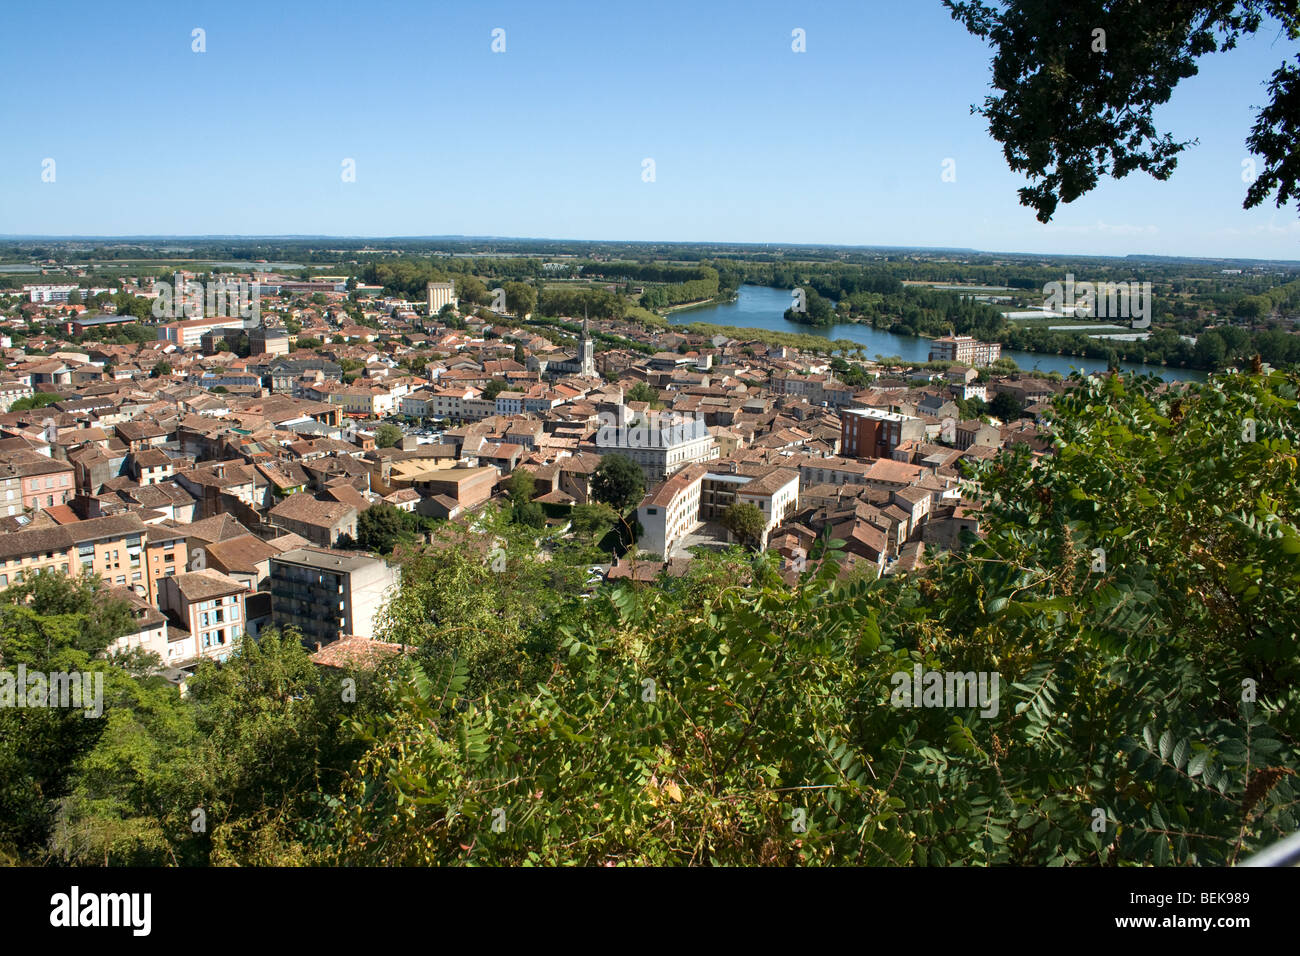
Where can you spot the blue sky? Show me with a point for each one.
(751, 141)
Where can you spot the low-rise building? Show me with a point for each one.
(320, 522)
(208, 609)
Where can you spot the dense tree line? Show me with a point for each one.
(576, 301)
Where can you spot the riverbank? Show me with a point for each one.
(698, 304)
(758, 313)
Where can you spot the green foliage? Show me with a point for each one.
(643, 392)
(1121, 687)
(529, 514)
(381, 528)
(521, 486)
(521, 298)
(618, 482)
(480, 598)
(471, 291)
(593, 520)
(1118, 86)
(35, 400)
(1006, 407)
(1134, 592)
(387, 435)
(51, 623)
(746, 521)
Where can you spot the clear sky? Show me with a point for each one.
(751, 141)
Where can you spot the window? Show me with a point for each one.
(49, 483)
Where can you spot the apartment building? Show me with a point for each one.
(327, 594)
(121, 549)
(872, 433)
(965, 350)
(11, 391)
(268, 340)
(190, 332)
(41, 482)
(48, 293)
(31, 550)
(418, 404)
(672, 511)
(816, 389)
(149, 628)
(775, 494)
(447, 492)
(206, 609)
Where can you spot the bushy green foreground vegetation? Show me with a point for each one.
(727, 717)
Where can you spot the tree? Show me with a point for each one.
(529, 514)
(783, 699)
(1079, 85)
(521, 486)
(1006, 407)
(471, 291)
(387, 435)
(643, 392)
(382, 527)
(160, 368)
(594, 520)
(746, 521)
(619, 482)
(494, 388)
(51, 623)
(35, 400)
(521, 298)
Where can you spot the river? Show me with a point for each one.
(758, 307)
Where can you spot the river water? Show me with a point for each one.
(758, 307)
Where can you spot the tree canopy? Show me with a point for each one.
(618, 482)
(1079, 85)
